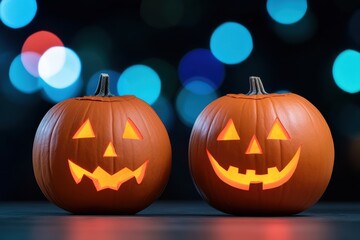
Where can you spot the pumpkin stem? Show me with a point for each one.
(256, 86)
(103, 88)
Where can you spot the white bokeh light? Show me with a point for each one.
(59, 67)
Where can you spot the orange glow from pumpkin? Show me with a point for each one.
(131, 131)
(85, 131)
(274, 178)
(104, 180)
(110, 151)
(254, 146)
(278, 132)
(229, 132)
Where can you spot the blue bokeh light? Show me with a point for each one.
(346, 71)
(59, 67)
(231, 43)
(167, 73)
(165, 111)
(189, 105)
(200, 85)
(354, 27)
(21, 79)
(94, 80)
(299, 32)
(8, 92)
(141, 81)
(17, 13)
(286, 11)
(200, 64)
(30, 60)
(56, 95)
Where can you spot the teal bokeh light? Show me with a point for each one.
(17, 13)
(56, 95)
(286, 11)
(231, 43)
(141, 81)
(21, 79)
(165, 111)
(189, 105)
(200, 85)
(346, 71)
(299, 32)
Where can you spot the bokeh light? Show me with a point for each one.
(21, 79)
(200, 85)
(165, 111)
(354, 27)
(56, 95)
(189, 105)
(59, 67)
(141, 81)
(162, 13)
(346, 71)
(231, 43)
(286, 11)
(299, 32)
(199, 68)
(8, 92)
(167, 73)
(36, 44)
(17, 13)
(94, 80)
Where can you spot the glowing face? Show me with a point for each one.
(274, 177)
(101, 178)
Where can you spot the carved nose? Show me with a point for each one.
(254, 146)
(110, 151)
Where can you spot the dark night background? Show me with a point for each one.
(282, 56)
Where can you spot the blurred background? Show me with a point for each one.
(177, 55)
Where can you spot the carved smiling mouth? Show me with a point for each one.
(103, 180)
(274, 178)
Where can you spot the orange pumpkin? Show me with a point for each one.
(261, 153)
(102, 153)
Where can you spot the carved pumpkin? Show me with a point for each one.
(102, 153)
(261, 153)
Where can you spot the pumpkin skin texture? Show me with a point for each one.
(260, 153)
(102, 154)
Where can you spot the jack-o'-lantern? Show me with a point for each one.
(261, 153)
(102, 154)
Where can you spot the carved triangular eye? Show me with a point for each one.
(131, 131)
(229, 132)
(278, 131)
(85, 131)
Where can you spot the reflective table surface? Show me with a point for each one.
(177, 220)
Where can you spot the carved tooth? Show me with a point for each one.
(250, 173)
(233, 170)
(273, 171)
